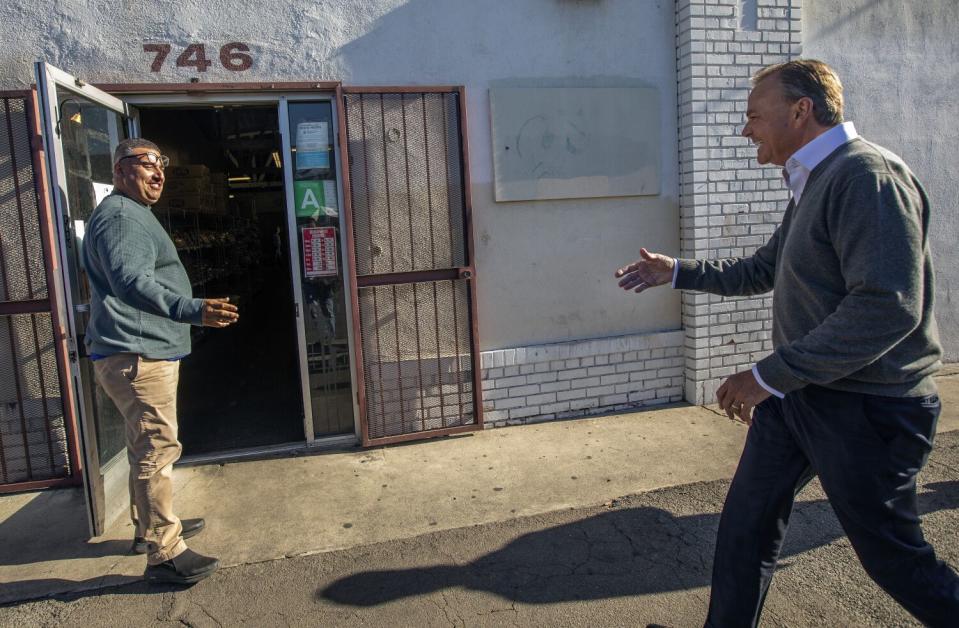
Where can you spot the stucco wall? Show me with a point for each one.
(899, 64)
(544, 268)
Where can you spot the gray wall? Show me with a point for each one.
(899, 64)
(544, 268)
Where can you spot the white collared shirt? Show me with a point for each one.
(796, 174)
(805, 160)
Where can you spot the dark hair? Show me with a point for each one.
(809, 78)
(126, 147)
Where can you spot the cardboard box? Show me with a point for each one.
(194, 185)
(186, 170)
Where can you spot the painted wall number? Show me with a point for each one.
(234, 56)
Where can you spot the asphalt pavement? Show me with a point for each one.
(640, 558)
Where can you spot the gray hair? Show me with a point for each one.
(126, 148)
(809, 78)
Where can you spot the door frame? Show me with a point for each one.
(101, 481)
(279, 94)
(466, 272)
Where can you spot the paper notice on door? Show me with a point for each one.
(319, 251)
(315, 198)
(101, 190)
(312, 145)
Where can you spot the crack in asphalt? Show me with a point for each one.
(943, 465)
(445, 607)
(206, 612)
(166, 606)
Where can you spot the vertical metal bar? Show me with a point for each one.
(16, 379)
(419, 356)
(54, 288)
(347, 217)
(389, 229)
(429, 184)
(468, 251)
(386, 178)
(436, 308)
(399, 357)
(439, 352)
(416, 311)
(449, 217)
(369, 218)
(379, 357)
(16, 189)
(43, 392)
(26, 268)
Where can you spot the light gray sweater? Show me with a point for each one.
(853, 306)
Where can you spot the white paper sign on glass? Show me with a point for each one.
(312, 145)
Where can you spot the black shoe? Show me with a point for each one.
(187, 568)
(191, 527)
(656, 626)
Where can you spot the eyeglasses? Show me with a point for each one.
(150, 161)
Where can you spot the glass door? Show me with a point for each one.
(316, 248)
(82, 126)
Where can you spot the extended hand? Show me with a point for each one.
(652, 269)
(739, 395)
(219, 312)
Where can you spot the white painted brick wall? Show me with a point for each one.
(582, 378)
(729, 205)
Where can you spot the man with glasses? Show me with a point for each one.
(141, 310)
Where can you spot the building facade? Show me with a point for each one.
(551, 335)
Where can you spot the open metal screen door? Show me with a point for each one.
(82, 126)
(38, 440)
(411, 244)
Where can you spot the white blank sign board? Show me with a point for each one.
(574, 142)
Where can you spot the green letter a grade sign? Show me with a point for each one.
(314, 198)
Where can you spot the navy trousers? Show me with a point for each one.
(867, 451)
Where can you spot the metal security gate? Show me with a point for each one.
(410, 242)
(38, 440)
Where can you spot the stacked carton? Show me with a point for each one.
(190, 188)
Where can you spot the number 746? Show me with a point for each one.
(233, 56)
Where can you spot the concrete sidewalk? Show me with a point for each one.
(268, 509)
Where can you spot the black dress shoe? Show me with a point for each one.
(191, 527)
(187, 568)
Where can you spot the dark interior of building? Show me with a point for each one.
(224, 206)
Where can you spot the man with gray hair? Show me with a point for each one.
(141, 310)
(847, 393)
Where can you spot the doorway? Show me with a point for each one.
(224, 206)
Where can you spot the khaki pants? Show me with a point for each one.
(144, 392)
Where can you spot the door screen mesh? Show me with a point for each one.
(33, 431)
(409, 216)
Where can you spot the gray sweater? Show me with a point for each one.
(853, 306)
(141, 297)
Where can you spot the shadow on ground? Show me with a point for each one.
(53, 526)
(624, 552)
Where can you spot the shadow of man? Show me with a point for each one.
(622, 552)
